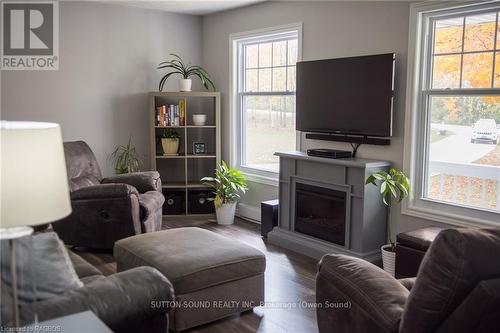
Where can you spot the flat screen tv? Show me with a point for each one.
(350, 96)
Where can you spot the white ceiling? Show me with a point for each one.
(194, 7)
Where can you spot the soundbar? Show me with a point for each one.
(329, 153)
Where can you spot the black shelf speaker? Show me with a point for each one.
(199, 203)
(175, 202)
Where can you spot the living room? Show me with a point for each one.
(106, 152)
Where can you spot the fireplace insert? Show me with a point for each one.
(320, 212)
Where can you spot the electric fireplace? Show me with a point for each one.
(320, 212)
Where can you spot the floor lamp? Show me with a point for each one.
(33, 183)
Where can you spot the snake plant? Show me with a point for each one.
(177, 66)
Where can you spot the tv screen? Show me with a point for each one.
(346, 95)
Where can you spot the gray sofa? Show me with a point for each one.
(457, 289)
(109, 209)
(123, 301)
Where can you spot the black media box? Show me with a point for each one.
(329, 153)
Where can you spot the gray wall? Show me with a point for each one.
(108, 57)
(330, 29)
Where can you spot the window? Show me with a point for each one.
(265, 97)
(455, 113)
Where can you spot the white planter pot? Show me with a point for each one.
(388, 259)
(185, 84)
(225, 213)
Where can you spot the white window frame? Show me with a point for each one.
(236, 151)
(415, 159)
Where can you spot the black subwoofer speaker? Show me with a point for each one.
(175, 202)
(198, 202)
(268, 216)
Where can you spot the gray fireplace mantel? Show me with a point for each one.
(365, 214)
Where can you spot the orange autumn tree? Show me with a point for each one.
(474, 68)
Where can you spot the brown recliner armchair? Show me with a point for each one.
(457, 289)
(109, 209)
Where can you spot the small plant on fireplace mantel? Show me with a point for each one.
(394, 185)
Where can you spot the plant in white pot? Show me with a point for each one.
(170, 142)
(226, 184)
(177, 66)
(393, 185)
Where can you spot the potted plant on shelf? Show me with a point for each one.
(177, 66)
(170, 142)
(226, 184)
(393, 185)
(126, 159)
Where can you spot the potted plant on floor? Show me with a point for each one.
(177, 66)
(393, 185)
(126, 159)
(170, 142)
(226, 184)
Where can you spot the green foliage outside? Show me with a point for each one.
(463, 110)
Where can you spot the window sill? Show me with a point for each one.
(260, 179)
(449, 218)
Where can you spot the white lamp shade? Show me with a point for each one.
(34, 184)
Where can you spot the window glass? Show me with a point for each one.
(267, 100)
(462, 149)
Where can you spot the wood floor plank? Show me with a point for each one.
(290, 282)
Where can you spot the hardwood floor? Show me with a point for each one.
(290, 283)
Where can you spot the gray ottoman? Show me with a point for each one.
(213, 276)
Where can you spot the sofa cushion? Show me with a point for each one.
(104, 191)
(150, 202)
(83, 181)
(82, 268)
(457, 261)
(48, 258)
(143, 181)
(191, 258)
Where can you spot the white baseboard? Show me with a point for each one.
(248, 212)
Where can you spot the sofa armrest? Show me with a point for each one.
(104, 191)
(375, 299)
(408, 282)
(123, 299)
(142, 181)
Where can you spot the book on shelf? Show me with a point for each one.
(182, 112)
(171, 115)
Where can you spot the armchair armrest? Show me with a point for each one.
(376, 300)
(103, 191)
(123, 300)
(408, 283)
(142, 181)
